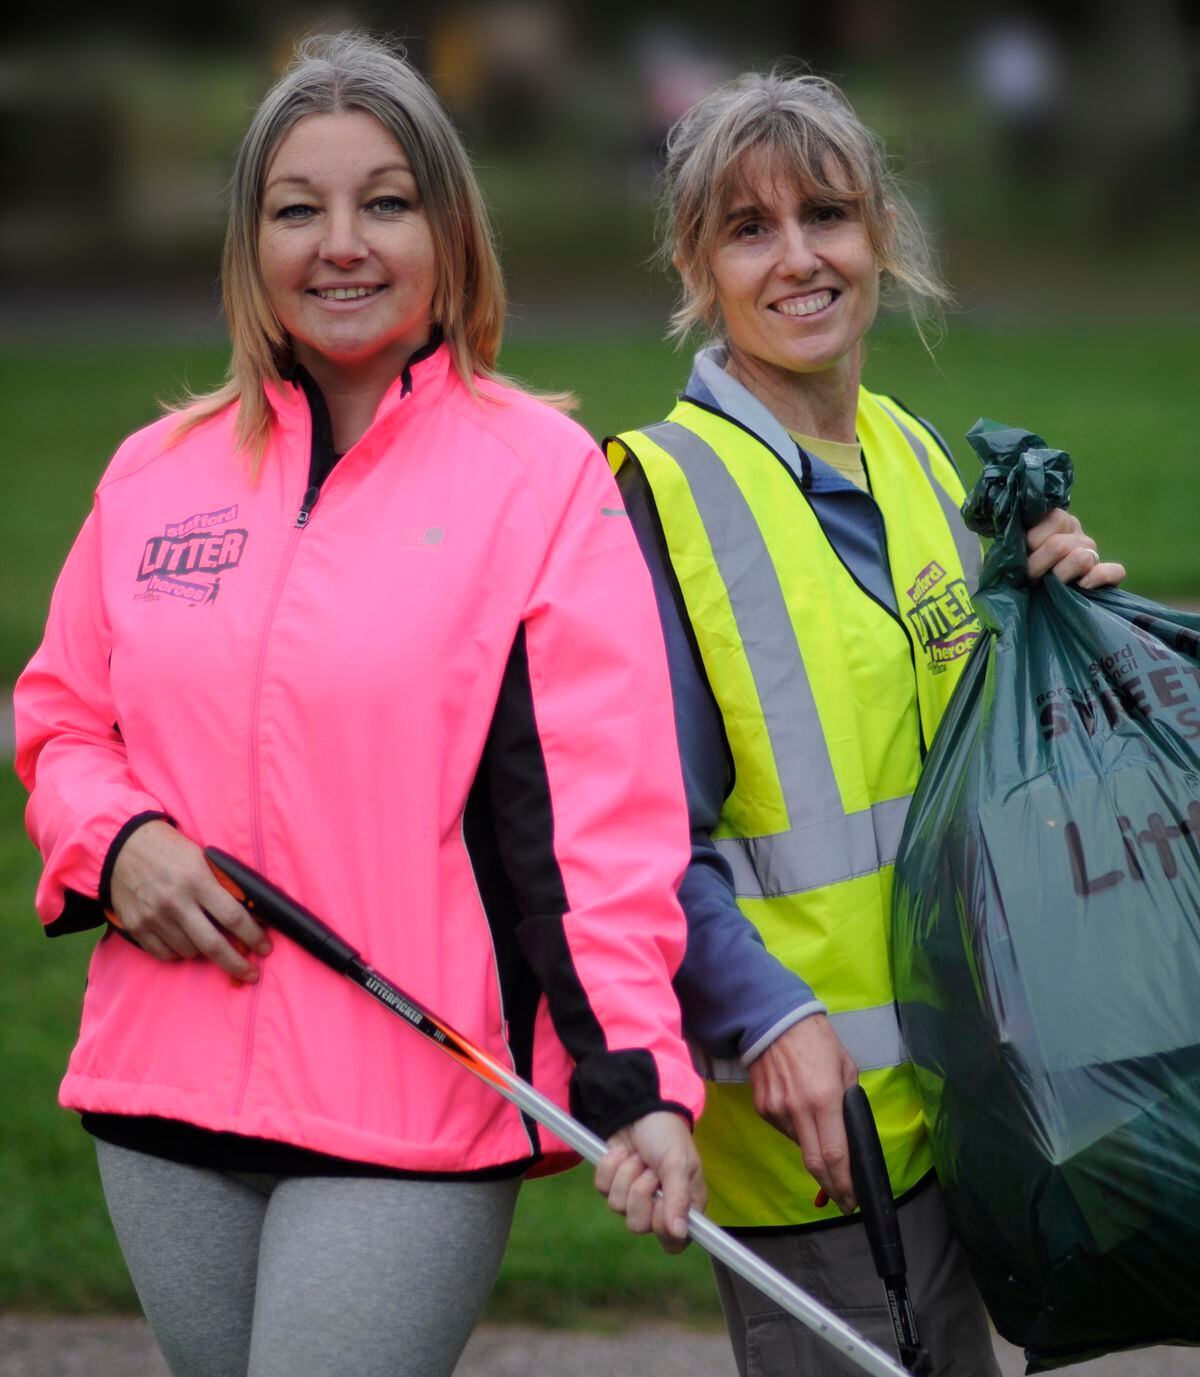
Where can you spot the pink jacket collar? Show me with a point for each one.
(426, 376)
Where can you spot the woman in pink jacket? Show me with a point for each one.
(351, 618)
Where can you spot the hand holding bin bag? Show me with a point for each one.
(1046, 943)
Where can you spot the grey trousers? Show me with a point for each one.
(834, 1266)
(245, 1275)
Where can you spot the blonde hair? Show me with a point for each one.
(805, 130)
(329, 75)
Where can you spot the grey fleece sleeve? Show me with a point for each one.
(735, 996)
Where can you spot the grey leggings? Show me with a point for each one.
(244, 1275)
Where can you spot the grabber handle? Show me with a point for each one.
(868, 1170)
(278, 910)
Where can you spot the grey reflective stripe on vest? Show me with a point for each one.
(810, 857)
(871, 1036)
(970, 555)
(806, 778)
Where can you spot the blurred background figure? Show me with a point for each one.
(500, 67)
(1019, 77)
(674, 71)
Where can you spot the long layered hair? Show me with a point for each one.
(803, 129)
(331, 75)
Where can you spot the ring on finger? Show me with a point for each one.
(1095, 554)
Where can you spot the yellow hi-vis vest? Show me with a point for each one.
(828, 699)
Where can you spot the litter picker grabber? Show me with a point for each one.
(868, 1170)
(274, 908)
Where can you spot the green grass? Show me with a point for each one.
(1119, 400)
(56, 1248)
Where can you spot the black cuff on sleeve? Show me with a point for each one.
(105, 896)
(80, 912)
(638, 1111)
(612, 1089)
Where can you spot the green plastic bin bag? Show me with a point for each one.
(1046, 943)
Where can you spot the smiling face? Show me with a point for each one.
(344, 244)
(796, 280)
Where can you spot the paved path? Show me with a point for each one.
(124, 1348)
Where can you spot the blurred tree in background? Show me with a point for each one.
(1052, 146)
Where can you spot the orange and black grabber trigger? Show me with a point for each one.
(869, 1173)
(273, 907)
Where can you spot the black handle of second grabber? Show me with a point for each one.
(868, 1170)
(281, 912)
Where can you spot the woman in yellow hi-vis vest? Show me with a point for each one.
(814, 580)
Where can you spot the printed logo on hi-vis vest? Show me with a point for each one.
(942, 617)
(186, 562)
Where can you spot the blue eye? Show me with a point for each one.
(391, 205)
(296, 212)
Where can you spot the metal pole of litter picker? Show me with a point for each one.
(270, 905)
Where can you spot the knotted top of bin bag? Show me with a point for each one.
(1023, 479)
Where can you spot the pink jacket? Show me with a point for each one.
(438, 714)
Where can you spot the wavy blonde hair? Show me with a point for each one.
(807, 132)
(329, 75)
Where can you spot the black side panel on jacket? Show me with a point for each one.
(519, 986)
(608, 1090)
